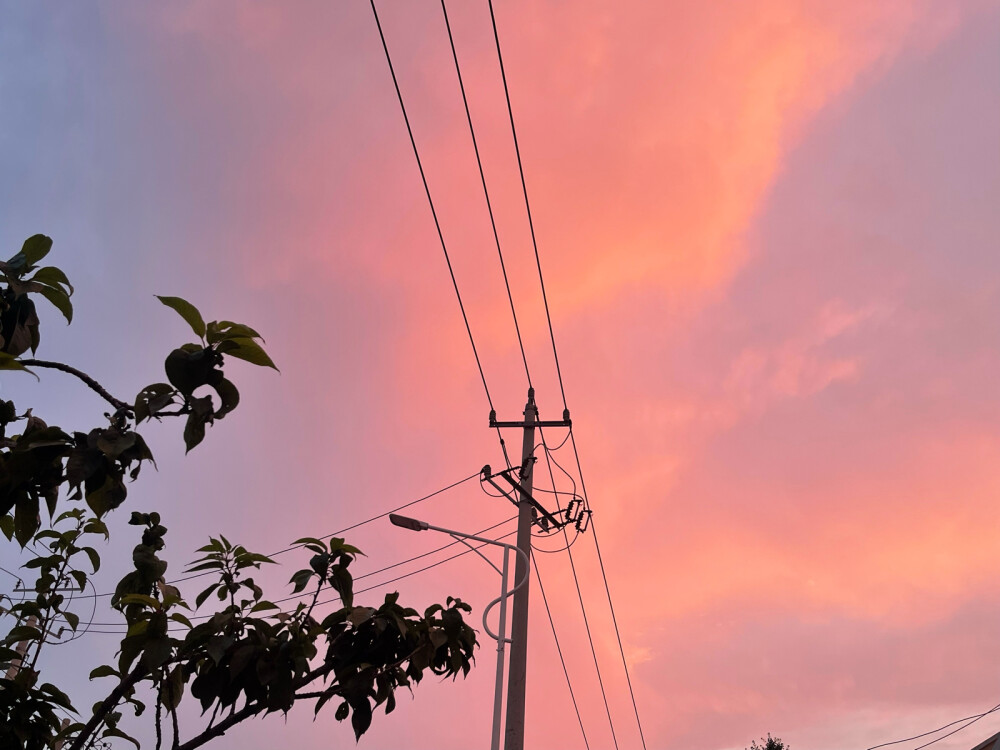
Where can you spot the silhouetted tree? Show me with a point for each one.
(771, 743)
(247, 656)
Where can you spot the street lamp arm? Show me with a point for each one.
(504, 595)
(458, 538)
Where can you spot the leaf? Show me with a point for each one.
(200, 599)
(359, 615)
(35, 248)
(105, 670)
(56, 696)
(8, 362)
(201, 414)
(361, 718)
(80, 577)
(187, 311)
(60, 299)
(178, 617)
(26, 521)
(95, 558)
(72, 619)
(172, 688)
(220, 330)
(152, 399)
(247, 350)
(241, 657)
(94, 526)
(52, 276)
(142, 599)
(156, 653)
(189, 367)
(301, 580)
(308, 540)
(343, 583)
(23, 633)
(217, 647)
(103, 499)
(109, 732)
(229, 397)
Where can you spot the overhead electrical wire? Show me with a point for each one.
(527, 203)
(590, 637)
(375, 586)
(562, 660)
(430, 200)
(437, 223)
(579, 594)
(486, 192)
(555, 355)
(451, 486)
(552, 478)
(970, 719)
(607, 589)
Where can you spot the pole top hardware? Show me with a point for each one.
(574, 513)
(564, 422)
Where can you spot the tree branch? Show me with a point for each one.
(251, 709)
(93, 384)
(108, 706)
(248, 711)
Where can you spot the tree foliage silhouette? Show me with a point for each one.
(249, 657)
(770, 743)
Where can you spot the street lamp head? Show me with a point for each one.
(408, 523)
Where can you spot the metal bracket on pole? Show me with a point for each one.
(564, 422)
(488, 476)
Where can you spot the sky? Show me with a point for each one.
(768, 235)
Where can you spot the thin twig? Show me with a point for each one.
(177, 731)
(108, 705)
(93, 384)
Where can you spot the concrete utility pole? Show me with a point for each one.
(529, 511)
(514, 731)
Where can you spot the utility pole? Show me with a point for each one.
(514, 731)
(528, 511)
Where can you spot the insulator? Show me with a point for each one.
(573, 509)
(583, 520)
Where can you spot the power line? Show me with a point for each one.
(486, 192)
(607, 589)
(562, 389)
(971, 719)
(527, 204)
(590, 638)
(953, 731)
(306, 595)
(552, 478)
(618, 635)
(377, 585)
(562, 661)
(451, 486)
(430, 201)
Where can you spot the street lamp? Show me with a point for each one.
(414, 525)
